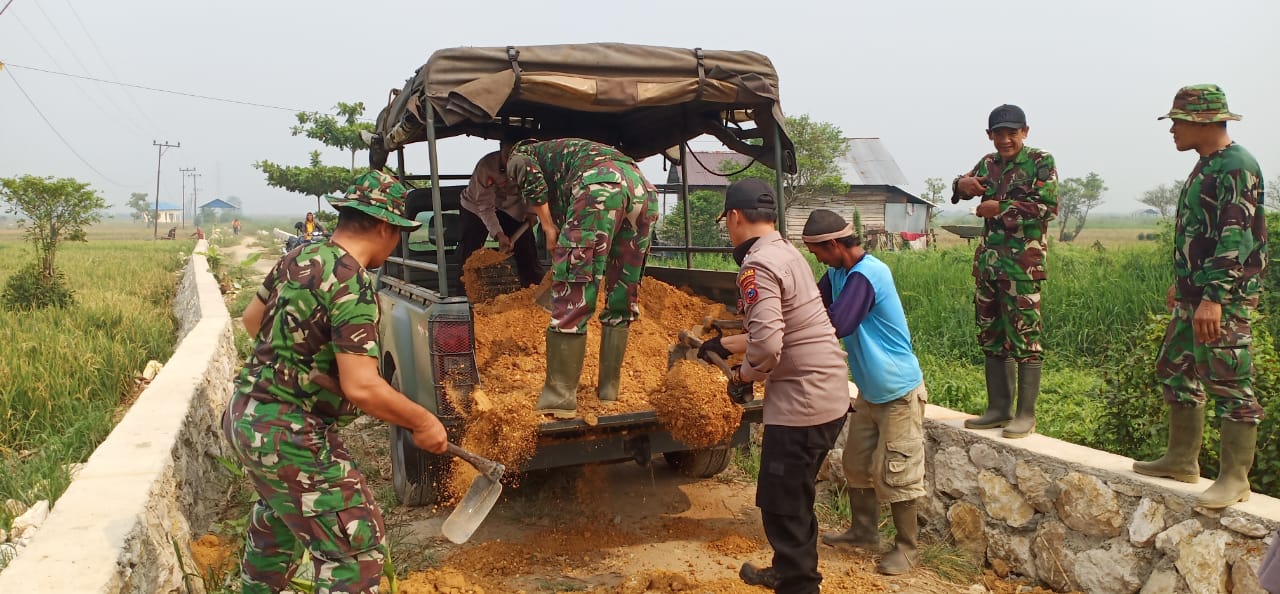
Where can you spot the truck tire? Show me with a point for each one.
(700, 463)
(417, 476)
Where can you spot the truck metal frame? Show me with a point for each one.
(645, 101)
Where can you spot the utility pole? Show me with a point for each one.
(160, 148)
(185, 172)
(195, 193)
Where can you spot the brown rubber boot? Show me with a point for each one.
(1239, 442)
(904, 555)
(1024, 421)
(565, 354)
(1181, 462)
(613, 345)
(1000, 373)
(863, 531)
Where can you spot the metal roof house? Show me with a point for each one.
(875, 190)
(168, 212)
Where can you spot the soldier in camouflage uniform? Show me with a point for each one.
(316, 314)
(1219, 255)
(1019, 190)
(596, 210)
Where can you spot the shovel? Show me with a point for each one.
(480, 497)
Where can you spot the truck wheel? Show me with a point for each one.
(416, 475)
(700, 463)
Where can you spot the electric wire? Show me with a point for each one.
(169, 91)
(101, 56)
(58, 134)
(85, 68)
(96, 104)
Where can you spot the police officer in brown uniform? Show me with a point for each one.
(790, 345)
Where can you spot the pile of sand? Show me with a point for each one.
(437, 581)
(212, 556)
(694, 404)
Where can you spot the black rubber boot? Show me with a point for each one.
(1239, 442)
(1000, 373)
(1181, 462)
(903, 556)
(863, 530)
(565, 354)
(613, 345)
(759, 576)
(1024, 421)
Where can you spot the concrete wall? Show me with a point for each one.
(155, 480)
(1079, 519)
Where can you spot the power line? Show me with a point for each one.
(96, 104)
(76, 57)
(55, 130)
(111, 70)
(6, 6)
(169, 91)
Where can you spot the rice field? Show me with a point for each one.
(66, 374)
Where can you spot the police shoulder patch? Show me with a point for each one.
(747, 285)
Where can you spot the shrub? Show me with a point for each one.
(30, 289)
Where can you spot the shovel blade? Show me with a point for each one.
(472, 510)
(542, 295)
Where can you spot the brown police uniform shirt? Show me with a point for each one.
(791, 344)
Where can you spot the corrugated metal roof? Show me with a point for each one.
(169, 206)
(868, 162)
(219, 203)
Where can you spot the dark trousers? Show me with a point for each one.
(524, 252)
(789, 461)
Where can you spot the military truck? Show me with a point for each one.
(644, 100)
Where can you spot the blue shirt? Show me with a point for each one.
(867, 314)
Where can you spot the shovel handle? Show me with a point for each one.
(718, 362)
(486, 466)
(519, 231)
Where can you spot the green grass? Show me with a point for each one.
(63, 373)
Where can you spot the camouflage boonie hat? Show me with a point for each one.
(379, 195)
(1200, 103)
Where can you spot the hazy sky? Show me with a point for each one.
(1091, 75)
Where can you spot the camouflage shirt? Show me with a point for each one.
(559, 167)
(319, 302)
(1013, 245)
(1220, 239)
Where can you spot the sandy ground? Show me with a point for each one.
(247, 247)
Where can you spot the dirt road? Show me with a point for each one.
(612, 529)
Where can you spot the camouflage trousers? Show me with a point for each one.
(1222, 368)
(606, 237)
(1008, 316)
(310, 496)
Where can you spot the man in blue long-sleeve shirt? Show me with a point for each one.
(884, 450)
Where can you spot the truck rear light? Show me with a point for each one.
(454, 360)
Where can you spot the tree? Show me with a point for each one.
(329, 130)
(704, 208)
(1163, 198)
(818, 146)
(934, 187)
(1076, 197)
(316, 179)
(53, 210)
(235, 200)
(141, 209)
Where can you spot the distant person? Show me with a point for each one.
(884, 449)
(311, 224)
(199, 233)
(1018, 186)
(235, 226)
(317, 313)
(1220, 254)
(595, 209)
(492, 206)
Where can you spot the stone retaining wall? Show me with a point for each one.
(1079, 519)
(155, 481)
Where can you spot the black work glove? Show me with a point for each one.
(713, 345)
(739, 391)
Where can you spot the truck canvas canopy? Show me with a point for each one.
(644, 100)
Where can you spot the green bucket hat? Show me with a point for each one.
(379, 195)
(1204, 104)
